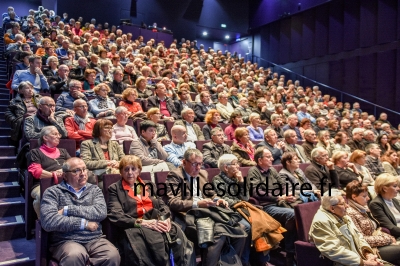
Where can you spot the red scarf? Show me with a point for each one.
(143, 203)
(248, 148)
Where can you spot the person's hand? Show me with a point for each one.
(330, 165)
(80, 94)
(51, 116)
(372, 263)
(352, 166)
(92, 226)
(38, 71)
(171, 119)
(58, 172)
(70, 112)
(222, 203)
(205, 203)
(263, 109)
(61, 211)
(317, 192)
(239, 176)
(159, 226)
(280, 145)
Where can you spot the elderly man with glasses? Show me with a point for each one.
(66, 100)
(72, 211)
(45, 116)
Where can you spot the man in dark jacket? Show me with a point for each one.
(309, 143)
(356, 142)
(129, 74)
(117, 86)
(273, 145)
(215, 148)
(161, 101)
(202, 107)
(59, 84)
(183, 102)
(78, 72)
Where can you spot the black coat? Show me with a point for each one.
(201, 110)
(179, 107)
(77, 73)
(381, 212)
(57, 85)
(154, 102)
(212, 152)
(276, 153)
(314, 173)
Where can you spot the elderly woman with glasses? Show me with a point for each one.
(336, 236)
(46, 161)
(154, 115)
(243, 148)
(121, 131)
(102, 106)
(101, 154)
(129, 97)
(141, 221)
(230, 179)
(357, 197)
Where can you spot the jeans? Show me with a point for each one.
(285, 216)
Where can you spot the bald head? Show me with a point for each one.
(178, 134)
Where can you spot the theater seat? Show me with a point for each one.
(306, 252)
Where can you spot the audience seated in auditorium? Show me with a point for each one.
(121, 131)
(185, 204)
(149, 150)
(383, 142)
(33, 74)
(45, 116)
(203, 106)
(243, 109)
(102, 106)
(326, 233)
(346, 171)
(79, 125)
(256, 133)
(101, 154)
(193, 130)
(292, 146)
(66, 100)
(124, 212)
(372, 161)
(25, 103)
(79, 71)
(214, 149)
(258, 176)
(141, 87)
(46, 162)
(183, 102)
(72, 211)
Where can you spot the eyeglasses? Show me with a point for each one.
(107, 128)
(77, 171)
(195, 164)
(82, 106)
(233, 163)
(49, 105)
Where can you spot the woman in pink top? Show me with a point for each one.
(46, 161)
(121, 131)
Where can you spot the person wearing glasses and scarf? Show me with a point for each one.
(336, 236)
(46, 161)
(102, 106)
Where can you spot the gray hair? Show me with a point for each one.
(215, 130)
(252, 116)
(120, 109)
(267, 131)
(23, 84)
(370, 146)
(189, 152)
(80, 59)
(185, 111)
(225, 160)
(308, 132)
(316, 152)
(67, 164)
(44, 132)
(51, 58)
(288, 132)
(302, 105)
(328, 201)
(74, 82)
(357, 130)
(274, 117)
(44, 100)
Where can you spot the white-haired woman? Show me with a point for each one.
(121, 131)
(230, 180)
(52, 63)
(336, 236)
(46, 161)
(256, 133)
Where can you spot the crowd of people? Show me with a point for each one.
(88, 82)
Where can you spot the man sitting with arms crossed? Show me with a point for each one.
(72, 211)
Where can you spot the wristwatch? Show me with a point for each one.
(138, 223)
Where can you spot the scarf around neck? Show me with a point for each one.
(102, 102)
(81, 121)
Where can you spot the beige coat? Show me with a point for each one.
(332, 244)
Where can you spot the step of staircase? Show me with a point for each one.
(8, 175)
(9, 189)
(7, 162)
(3, 123)
(12, 227)
(18, 252)
(6, 150)
(12, 206)
(4, 140)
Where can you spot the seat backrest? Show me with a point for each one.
(245, 170)
(128, 123)
(200, 124)
(211, 173)
(200, 143)
(277, 167)
(68, 144)
(160, 177)
(165, 142)
(126, 145)
(304, 214)
(228, 142)
(45, 183)
(168, 126)
(303, 166)
(107, 181)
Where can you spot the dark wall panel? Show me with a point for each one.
(322, 72)
(321, 30)
(295, 38)
(368, 22)
(335, 34)
(274, 43)
(351, 25)
(336, 74)
(350, 75)
(397, 92)
(307, 37)
(386, 78)
(309, 72)
(387, 21)
(367, 77)
(284, 41)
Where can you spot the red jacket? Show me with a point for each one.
(75, 133)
